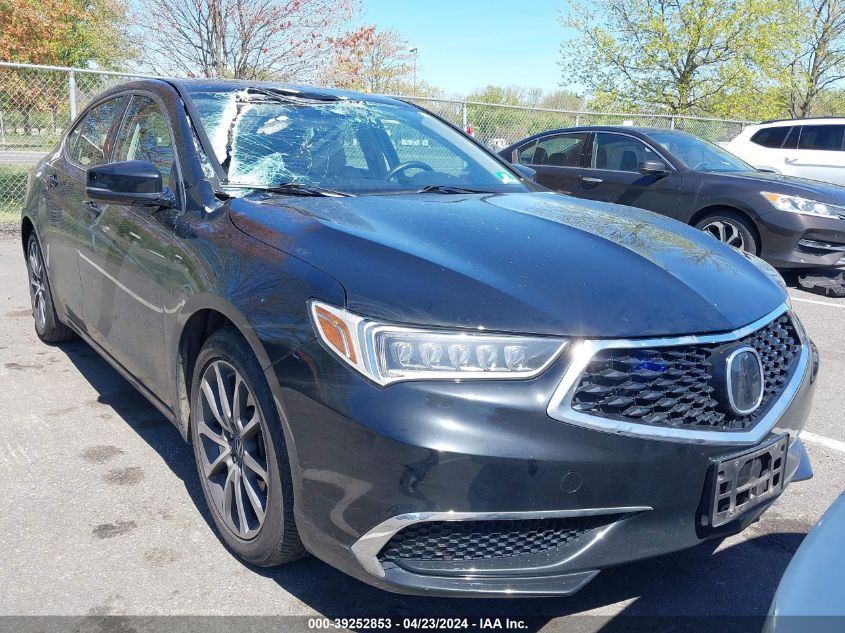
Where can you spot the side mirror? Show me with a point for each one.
(526, 172)
(131, 182)
(652, 168)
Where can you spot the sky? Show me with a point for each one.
(468, 44)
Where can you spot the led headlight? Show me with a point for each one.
(388, 353)
(796, 204)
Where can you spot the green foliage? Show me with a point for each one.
(713, 57)
(830, 103)
(511, 124)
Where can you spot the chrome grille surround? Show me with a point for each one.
(582, 354)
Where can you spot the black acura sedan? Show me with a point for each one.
(389, 350)
(790, 222)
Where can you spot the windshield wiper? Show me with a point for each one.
(295, 189)
(448, 189)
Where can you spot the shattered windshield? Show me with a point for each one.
(266, 139)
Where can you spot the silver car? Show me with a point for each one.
(811, 594)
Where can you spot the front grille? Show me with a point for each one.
(474, 540)
(673, 386)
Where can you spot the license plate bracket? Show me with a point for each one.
(744, 481)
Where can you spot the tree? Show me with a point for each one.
(562, 100)
(371, 61)
(74, 33)
(679, 56)
(831, 102)
(820, 61)
(504, 95)
(63, 32)
(242, 39)
(522, 112)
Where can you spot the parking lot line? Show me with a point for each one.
(821, 303)
(829, 442)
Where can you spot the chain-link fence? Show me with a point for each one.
(38, 103)
(498, 126)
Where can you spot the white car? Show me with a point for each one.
(808, 148)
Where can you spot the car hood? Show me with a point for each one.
(529, 262)
(790, 185)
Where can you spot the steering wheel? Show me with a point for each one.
(411, 164)
(699, 165)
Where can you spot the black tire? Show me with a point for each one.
(47, 324)
(271, 539)
(740, 233)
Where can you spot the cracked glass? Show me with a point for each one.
(267, 138)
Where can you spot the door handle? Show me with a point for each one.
(51, 180)
(591, 179)
(93, 208)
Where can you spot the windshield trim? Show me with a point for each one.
(199, 129)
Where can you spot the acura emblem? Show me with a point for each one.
(744, 380)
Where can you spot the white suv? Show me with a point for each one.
(808, 148)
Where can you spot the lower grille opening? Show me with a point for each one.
(479, 540)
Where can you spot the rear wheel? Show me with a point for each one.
(47, 324)
(732, 229)
(240, 453)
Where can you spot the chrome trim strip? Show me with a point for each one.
(367, 548)
(560, 406)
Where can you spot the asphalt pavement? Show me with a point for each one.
(102, 513)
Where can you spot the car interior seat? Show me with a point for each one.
(629, 161)
(559, 159)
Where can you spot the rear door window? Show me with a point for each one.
(771, 136)
(86, 145)
(560, 150)
(821, 137)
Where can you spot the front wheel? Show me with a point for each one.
(240, 453)
(731, 229)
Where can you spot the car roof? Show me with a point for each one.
(190, 86)
(819, 120)
(634, 130)
(637, 129)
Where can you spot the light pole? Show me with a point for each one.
(414, 51)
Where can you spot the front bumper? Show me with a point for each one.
(372, 461)
(791, 240)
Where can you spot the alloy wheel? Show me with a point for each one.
(232, 449)
(37, 286)
(725, 232)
